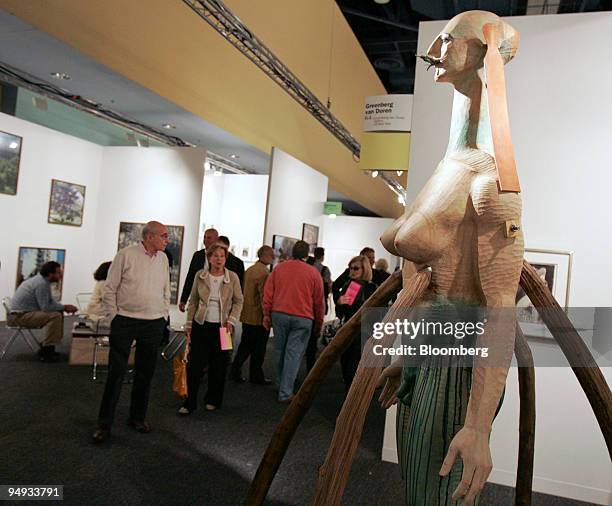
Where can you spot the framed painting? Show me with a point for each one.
(310, 234)
(31, 259)
(10, 157)
(245, 251)
(66, 203)
(283, 248)
(130, 233)
(555, 268)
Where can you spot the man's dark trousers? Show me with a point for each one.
(254, 341)
(148, 335)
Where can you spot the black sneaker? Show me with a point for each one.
(48, 354)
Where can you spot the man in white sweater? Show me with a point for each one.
(136, 301)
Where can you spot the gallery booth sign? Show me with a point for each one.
(385, 142)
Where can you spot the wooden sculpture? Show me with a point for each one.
(468, 232)
(463, 241)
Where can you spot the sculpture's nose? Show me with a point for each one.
(436, 48)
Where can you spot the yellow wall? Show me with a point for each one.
(164, 46)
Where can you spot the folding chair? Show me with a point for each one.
(18, 331)
(82, 300)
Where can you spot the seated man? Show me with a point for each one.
(33, 306)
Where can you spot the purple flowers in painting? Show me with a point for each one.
(66, 203)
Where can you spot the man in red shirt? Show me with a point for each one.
(293, 306)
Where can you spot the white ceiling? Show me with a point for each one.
(35, 52)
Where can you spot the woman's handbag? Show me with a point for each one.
(179, 369)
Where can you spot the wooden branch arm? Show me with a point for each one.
(298, 408)
(577, 353)
(527, 419)
(334, 473)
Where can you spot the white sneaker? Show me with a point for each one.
(184, 411)
(211, 407)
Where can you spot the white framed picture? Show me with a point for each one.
(245, 251)
(555, 268)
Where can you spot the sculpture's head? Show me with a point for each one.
(460, 48)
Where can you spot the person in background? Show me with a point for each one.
(215, 302)
(254, 335)
(95, 309)
(344, 277)
(317, 263)
(293, 305)
(360, 272)
(382, 268)
(233, 262)
(136, 302)
(198, 262)
(33, 306)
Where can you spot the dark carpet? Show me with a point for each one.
(48, 413)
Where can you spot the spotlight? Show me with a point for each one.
(234, 157)
(399, 172)
(168, 126)
(13, 145)
(374, 173)
(218, 172)
(61, 76)
(401, 200)
(207, 165)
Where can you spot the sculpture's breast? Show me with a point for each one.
(442, 206)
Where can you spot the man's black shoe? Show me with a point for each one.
(100, 435)
(48, 354)
(142, 427)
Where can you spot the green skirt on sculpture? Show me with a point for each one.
(432, 408)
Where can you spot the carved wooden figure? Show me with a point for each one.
(463, 241)
(465, 225)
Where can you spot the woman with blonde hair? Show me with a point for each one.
(351, 297)
(215, 303)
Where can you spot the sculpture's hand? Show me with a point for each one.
(472, 447)
(390, 380)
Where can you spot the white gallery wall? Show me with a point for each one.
(296, 194)
(235, 204)
(344, 236)
(560, 109)
(122, 184)
(143, 184)
(45, 155)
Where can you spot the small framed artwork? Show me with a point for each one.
(555, 268)
(245, 251)
(131, 233)
(283, 248)
(10, 157)
(66, 203)
(310, 234)
(31, 259)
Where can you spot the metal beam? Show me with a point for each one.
(219, 17)
(354, 12)
(22, 79)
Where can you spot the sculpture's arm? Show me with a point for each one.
(499, 267)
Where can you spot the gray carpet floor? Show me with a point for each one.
(48, 413)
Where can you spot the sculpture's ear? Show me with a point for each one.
(498, 112)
